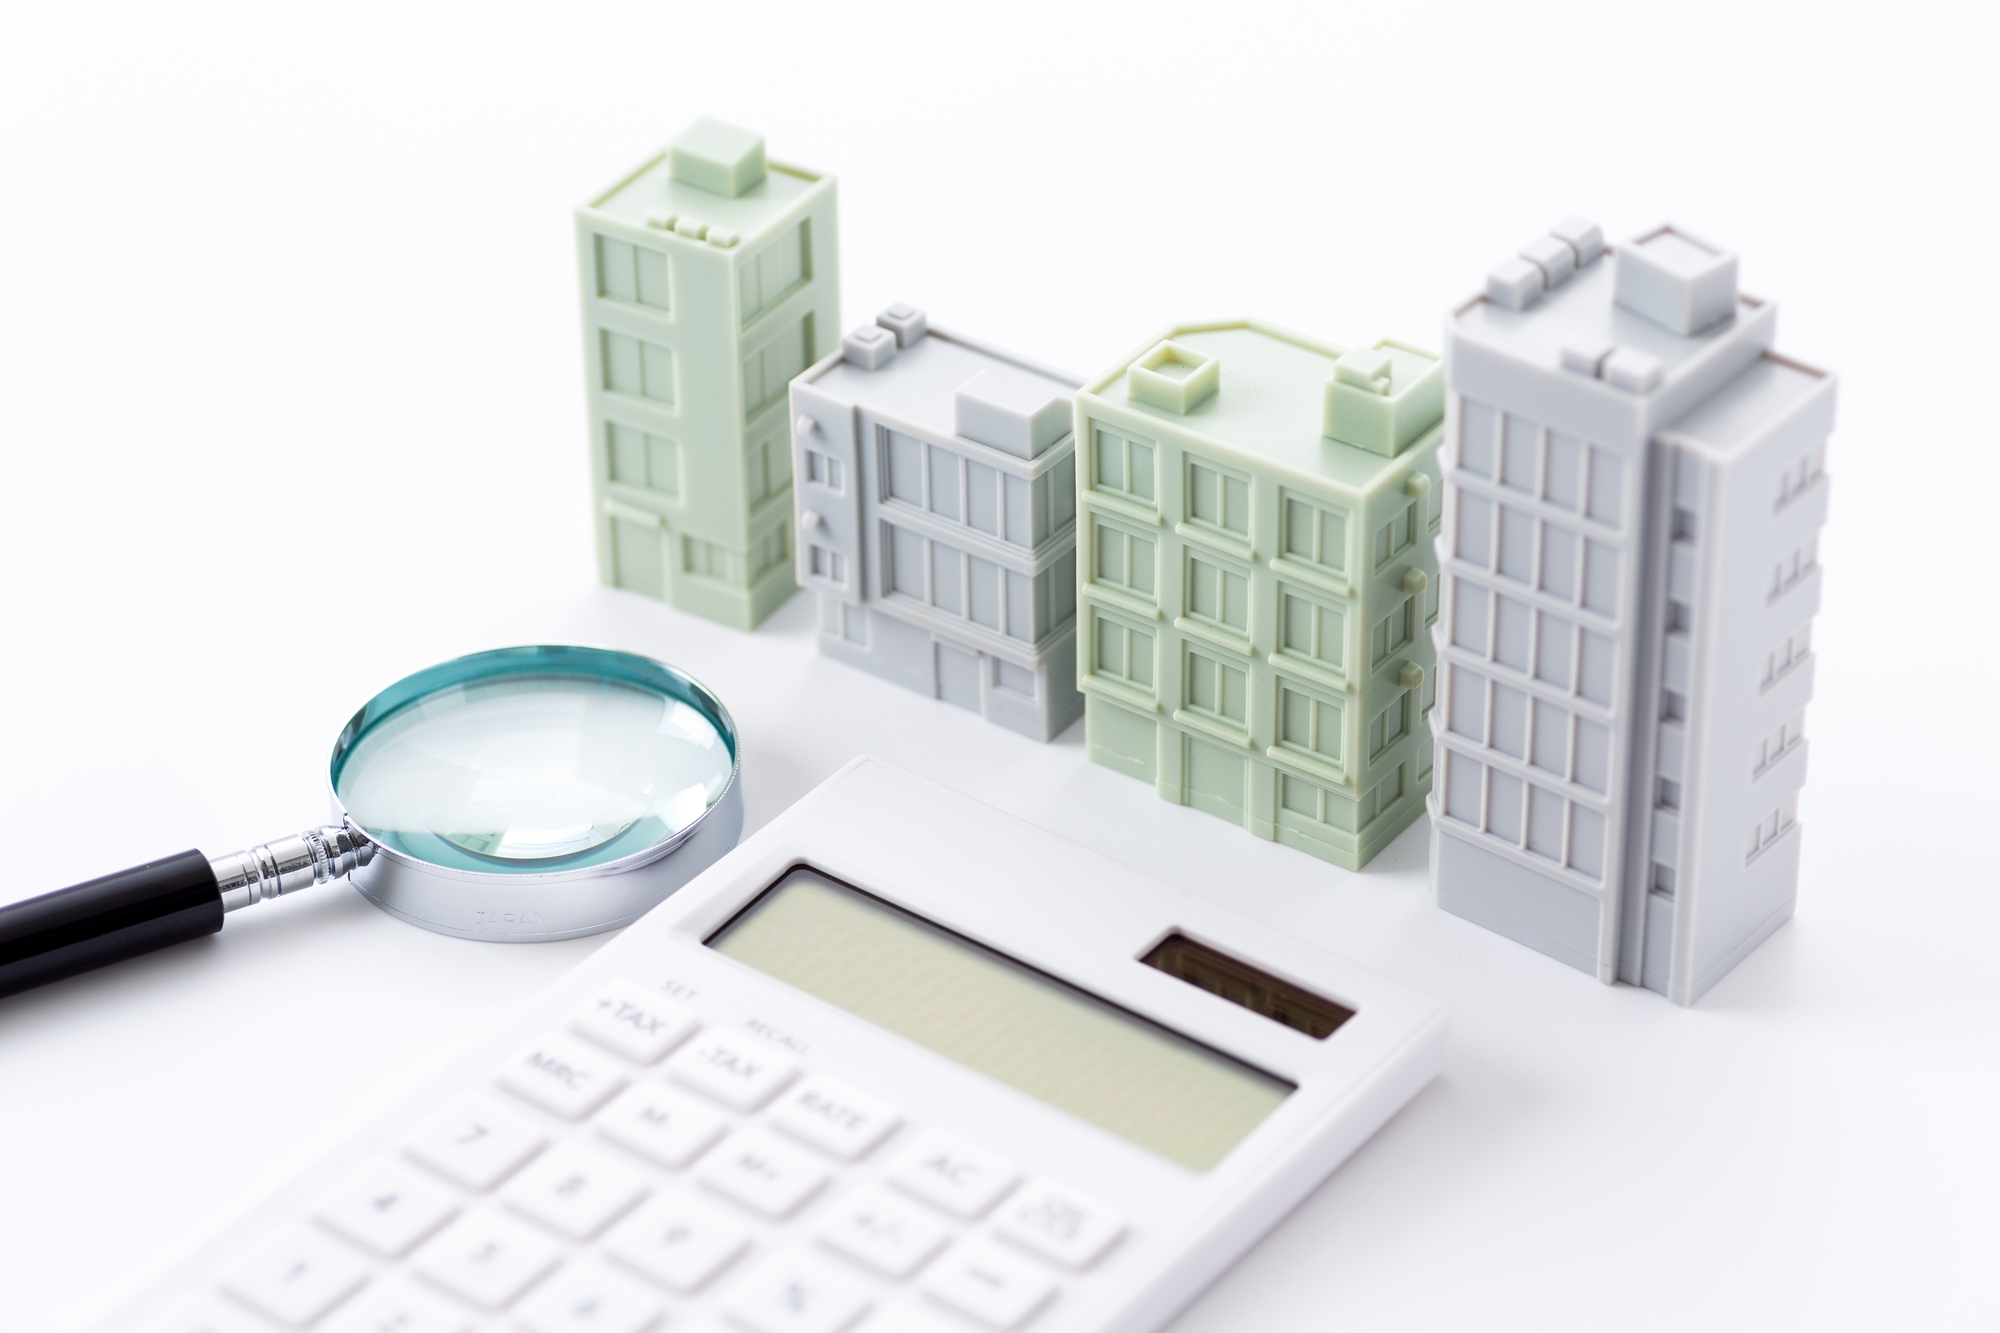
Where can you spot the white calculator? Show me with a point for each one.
(898, 1064)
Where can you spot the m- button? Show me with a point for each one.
(738, 1070)
(949, 1173)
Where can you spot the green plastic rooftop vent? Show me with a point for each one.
(719, 158)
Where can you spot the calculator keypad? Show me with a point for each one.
(637, 1023)
(388, 1208)
(563, 1077)
(790, 1293)
(635, 1162)
(996, 1287)
(1058, 1224)
(878, 1230)
(667, 1128)
(574, 1191)
(590, 1296)
(398, 1305)
(477, 1143)
(737, 1069)
(297, 1278)
(488, 1259)
(947, 1172)
(840, 1121)
(679, 1241)
(763, 1173)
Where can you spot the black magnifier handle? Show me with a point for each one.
(164, 902)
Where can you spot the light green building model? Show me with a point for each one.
(709, 280)
(1257, 578)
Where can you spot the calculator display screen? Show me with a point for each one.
(1126, 1074)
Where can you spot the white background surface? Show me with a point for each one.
(290, 405)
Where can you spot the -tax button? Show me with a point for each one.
(949, 1173)
(1058, 1224)
(738, 1070)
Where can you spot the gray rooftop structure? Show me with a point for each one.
(1634, 484)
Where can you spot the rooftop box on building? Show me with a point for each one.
(1009, 414)
(1384, 398)
(719, 158)
(1174, 377)
(1676, 280)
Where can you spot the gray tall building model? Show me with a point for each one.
(936, 503)
(1634, 485)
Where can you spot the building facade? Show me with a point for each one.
(937, 518)
(1257, 578)
(1634, 485)
(709, 279)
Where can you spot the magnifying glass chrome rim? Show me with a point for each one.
(518, 905)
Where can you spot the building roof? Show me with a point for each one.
(921, 382)
(749, 215)
(1581, 311)
(1608, 345)
(1738, 416)
(1270, 403)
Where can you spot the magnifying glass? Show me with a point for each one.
(533, 793)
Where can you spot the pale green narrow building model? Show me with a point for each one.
(1257, 577)
(709, 280)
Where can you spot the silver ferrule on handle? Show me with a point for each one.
(287, 864)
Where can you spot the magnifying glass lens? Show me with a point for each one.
(529, 774)
(539, 792)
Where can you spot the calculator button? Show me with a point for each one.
(297, 1278)
(388, 1207)
(641, 1025)
(1058, 1224)
(476, 1142)
(486, 1258)
(875, 1228)
(951, 1174)
(735, 1068)
(588, 1297)
(398, 1306)
(574, 1190)
(677, 1240)
(762, 1172)
(794, 1294)
(998, 1288)
(902, 1319)
(561, 1076)
(833, 1117)
(209, 1314)
(665, 1127)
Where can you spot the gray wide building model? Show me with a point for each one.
(1634, 485)
(936, 500)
